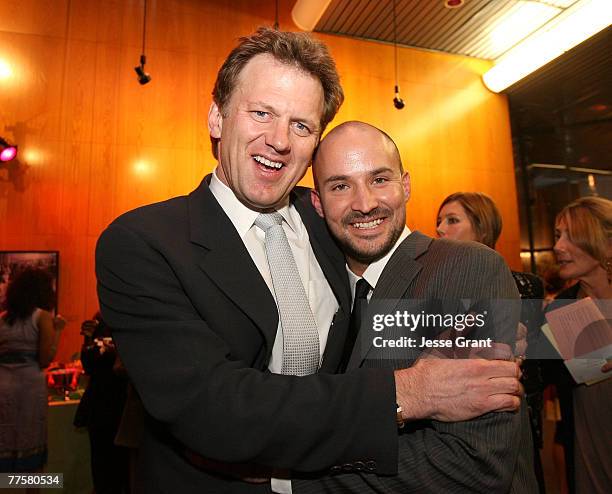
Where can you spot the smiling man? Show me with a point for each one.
(230, 306)
(362, 191)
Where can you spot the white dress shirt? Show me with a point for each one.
(321, 298)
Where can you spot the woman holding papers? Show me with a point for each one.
(584, 252)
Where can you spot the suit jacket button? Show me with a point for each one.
(347, 467)
(359, 466)
(335, 469)
(370, 466)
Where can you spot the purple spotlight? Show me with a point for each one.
(7, 151)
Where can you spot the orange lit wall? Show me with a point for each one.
(95, 143)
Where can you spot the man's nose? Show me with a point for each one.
(365, 200)
(278, 137)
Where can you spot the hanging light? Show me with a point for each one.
(398, 102)
(143, 77)
(8, 152)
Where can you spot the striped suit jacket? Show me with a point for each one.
(490, 454)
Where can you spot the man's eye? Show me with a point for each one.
(301, 129)
(339, 187)
(380, 180)
(260, 115)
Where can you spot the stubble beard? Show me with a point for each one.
(370, 253)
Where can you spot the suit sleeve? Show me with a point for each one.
(217, 406)
(479, 455)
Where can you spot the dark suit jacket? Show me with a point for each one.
(490, 454)
(195, 323)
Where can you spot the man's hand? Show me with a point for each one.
(455, 390)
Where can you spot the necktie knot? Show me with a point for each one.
(268, 220)
(362, 288)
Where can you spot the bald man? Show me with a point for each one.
(361, 192)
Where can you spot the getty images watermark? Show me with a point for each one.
(578, 332)
(433, 329)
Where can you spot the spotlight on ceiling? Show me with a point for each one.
(7, 151)
(453, 4)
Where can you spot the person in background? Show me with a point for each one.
(101, 407)
(29, 335)
(474, 216)
(583, 248)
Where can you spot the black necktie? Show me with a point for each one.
(361, 298)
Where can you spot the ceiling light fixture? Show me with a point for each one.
(143, 77)
(397, 101)
(307, 13)
(570, 28)
(522, 19)
(453, 4)
(8, 152)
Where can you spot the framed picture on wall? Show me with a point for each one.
(12, 262)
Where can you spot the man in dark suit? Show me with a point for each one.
(189, 287)
(361, 191)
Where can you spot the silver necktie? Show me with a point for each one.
(300, 335)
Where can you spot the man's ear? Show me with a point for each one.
(406, 185)
(316, 202)
(215, 121)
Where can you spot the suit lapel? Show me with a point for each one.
(393, 284)
(227, 262)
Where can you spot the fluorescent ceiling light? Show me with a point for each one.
(578, 23)
(520, 21)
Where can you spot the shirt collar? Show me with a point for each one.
(374, 270)
(240, 215)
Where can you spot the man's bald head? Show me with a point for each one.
(361, 191)
(353, 132)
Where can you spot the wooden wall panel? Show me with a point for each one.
(96, 143)
(453, 134)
